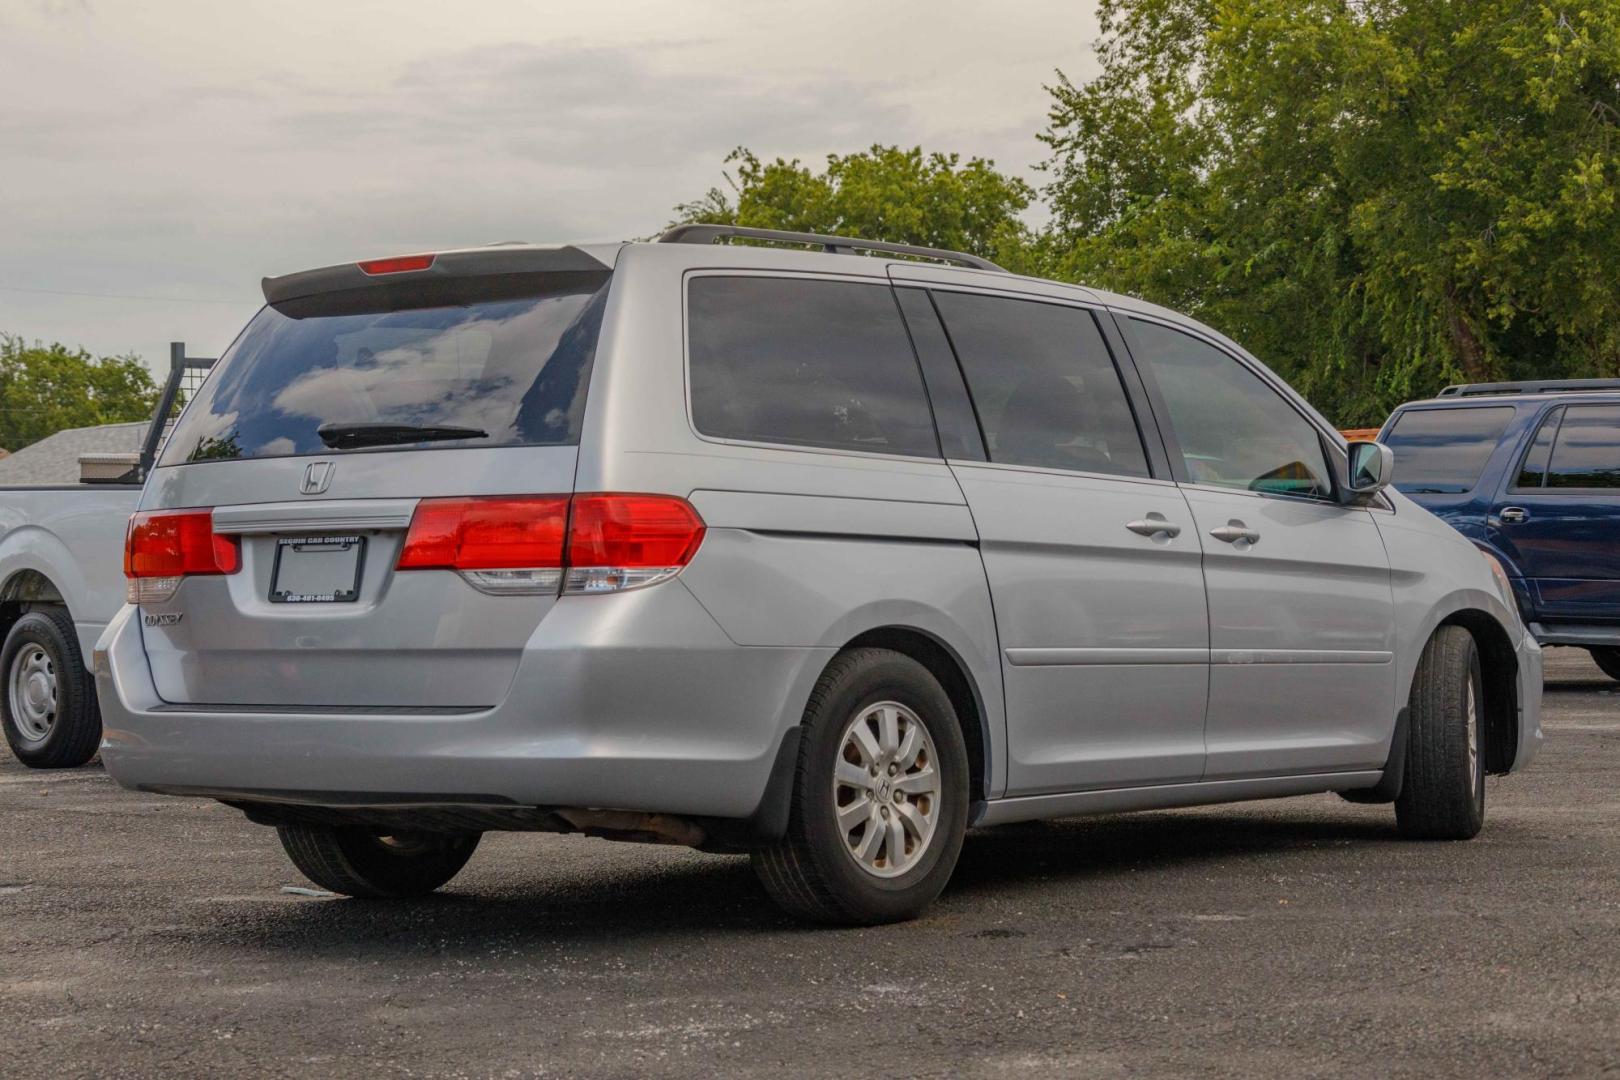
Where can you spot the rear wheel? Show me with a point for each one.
(1443, 793)
(880, 795)
(360, 863)
(1607, 657)
(48, 705)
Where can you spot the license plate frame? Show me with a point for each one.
(344, 585)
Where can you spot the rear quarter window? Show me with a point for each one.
(1586, 453)
(1444, 451)
(805, 362)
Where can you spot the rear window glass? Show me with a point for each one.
(335, 375)
(1587, 452)
(1444, 451)
(805, 362)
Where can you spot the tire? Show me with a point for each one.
(1443, 794)
(48, 700)
(1607, 657)
(822, 872)
(359, 863)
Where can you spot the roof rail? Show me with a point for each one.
(1534, 386)
(833, 245)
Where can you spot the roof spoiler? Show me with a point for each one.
(499, 260)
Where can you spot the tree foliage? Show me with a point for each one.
(1375, 196)
(44, 389)
(884, 193)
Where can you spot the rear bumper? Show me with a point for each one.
(632, 702)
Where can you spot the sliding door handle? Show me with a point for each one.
(1154, 525)
(1234, 531)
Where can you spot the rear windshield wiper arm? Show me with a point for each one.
(350, 436)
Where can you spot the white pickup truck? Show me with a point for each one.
(61, 582)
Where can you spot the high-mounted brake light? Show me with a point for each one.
(399, 264)
(601, 542)
(161, 547)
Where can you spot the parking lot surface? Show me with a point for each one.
(150, 936)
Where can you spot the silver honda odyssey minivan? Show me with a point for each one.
(821, 549)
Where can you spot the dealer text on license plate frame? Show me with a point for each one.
(335, 582)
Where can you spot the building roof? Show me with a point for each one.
(55, 458)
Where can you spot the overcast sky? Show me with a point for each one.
(173, 152)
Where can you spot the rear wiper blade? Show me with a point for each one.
(350, 436)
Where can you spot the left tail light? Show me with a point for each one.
(163, 547)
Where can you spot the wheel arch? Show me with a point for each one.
(23, 590)
(38, 568)
(946, 665)
(1499, 670)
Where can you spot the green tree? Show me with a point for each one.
(1376, 196)
(44, 389)
(885, 193)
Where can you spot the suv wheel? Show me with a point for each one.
(1607, 657)
(880, 795)
(48, 705)
(1443, 793)
(358, 862)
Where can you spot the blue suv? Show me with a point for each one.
(1531, 473)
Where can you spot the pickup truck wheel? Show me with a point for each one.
(1443, 793)
(48, 705)
(359, 863)
(880, 796)
(1607, 658)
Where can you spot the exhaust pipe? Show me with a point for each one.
(634, 827)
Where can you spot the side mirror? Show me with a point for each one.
(1372, 467)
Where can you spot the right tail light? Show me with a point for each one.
(588, 543)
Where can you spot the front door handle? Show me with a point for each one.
(1154, 525)
(1235, 530)
(1512, 515)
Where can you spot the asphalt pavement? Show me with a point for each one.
(148, 936)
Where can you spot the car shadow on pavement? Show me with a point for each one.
(1581, 686)
(1096, 848)
(525, 909)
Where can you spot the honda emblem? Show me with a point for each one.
(317, 478)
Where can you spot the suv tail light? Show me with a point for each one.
(161, 547)
(591, 543)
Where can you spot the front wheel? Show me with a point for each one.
(360, 863)
(1443, 793)
(880, 796)
(1607, 657)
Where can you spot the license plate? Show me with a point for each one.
(317, 569)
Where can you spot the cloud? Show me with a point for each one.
(185, 148)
